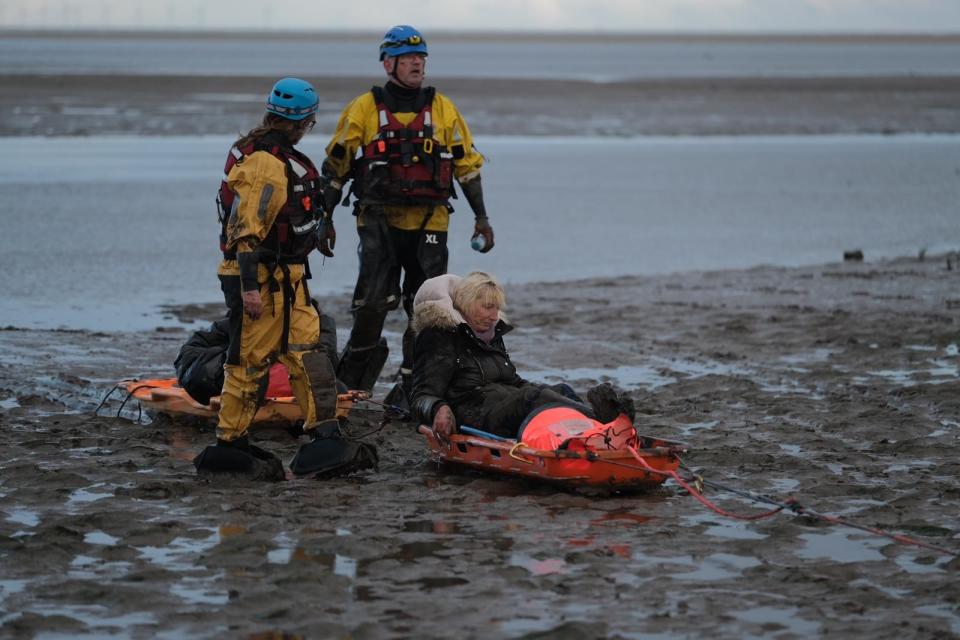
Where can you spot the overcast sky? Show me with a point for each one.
(817, 16)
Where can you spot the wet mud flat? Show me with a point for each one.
(84, 105)
(836, 384)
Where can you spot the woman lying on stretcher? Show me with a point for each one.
(463, 373)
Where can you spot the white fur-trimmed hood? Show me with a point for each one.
(433, 304)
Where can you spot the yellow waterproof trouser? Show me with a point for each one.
(260, 342)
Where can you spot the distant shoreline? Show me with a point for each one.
(85, 105)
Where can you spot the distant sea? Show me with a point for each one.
(98, 232)
(596, 58)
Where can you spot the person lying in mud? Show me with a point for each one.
(463, 374)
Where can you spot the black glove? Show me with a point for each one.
(482, 227)
(326, 236)
(331, 198)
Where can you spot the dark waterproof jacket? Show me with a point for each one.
(454, 367)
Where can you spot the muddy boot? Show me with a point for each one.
(359, 370)
(240, 458)
(330, 455)
(607, 403)
(400, 398)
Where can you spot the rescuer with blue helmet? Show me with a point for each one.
(403, 146)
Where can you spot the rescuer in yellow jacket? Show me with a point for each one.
(403, 146)
(271, 221)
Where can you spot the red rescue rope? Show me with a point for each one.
(789, 503)
(699, 495)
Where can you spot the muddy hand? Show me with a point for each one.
(251, 304)
(443, 424)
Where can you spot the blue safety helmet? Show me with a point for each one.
(293, 99)
(402, 39)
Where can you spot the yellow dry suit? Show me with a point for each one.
(402, 149)
(268, 234)
(358, 127)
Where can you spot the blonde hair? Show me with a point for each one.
(478, 287)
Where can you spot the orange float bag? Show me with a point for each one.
(565, 428)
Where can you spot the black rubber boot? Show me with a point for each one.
(359, 370)
(330, 455)
(608, 403)
(400, 398)
(239, 458)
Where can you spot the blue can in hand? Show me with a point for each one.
(478, 242)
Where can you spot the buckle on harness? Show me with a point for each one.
(428, 146)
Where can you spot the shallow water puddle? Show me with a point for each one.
(948, 426)
(783, 485)
(856, 505)
(660, 372)
(727, 528)
(198, 590)
(536, 567)
(625, 376)
(8, 588)
(837, 546)
(897, 594)
(339, 564)
(9, 403)
(691, 427)
(717, 566)
(345, 566)
(788, 388)
(909, 466)
(87, 568)
(179, 554)
(284, 550)
(83, 496)
(782, 616)
(95, 616)
(26, 517)
(910, 563)
(821, 354)
(939, 372)
(99, 537)
(942, 611)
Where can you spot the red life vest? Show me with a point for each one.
(292, 236)
(404, 164)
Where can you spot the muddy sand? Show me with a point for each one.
(837, 385)
(79, 105)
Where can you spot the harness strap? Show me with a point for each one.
(287, 307)
(426, 218)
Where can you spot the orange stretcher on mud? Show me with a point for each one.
(608, 469)
(164, 395)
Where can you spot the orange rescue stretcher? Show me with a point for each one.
(164, 395)
(606, 463)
